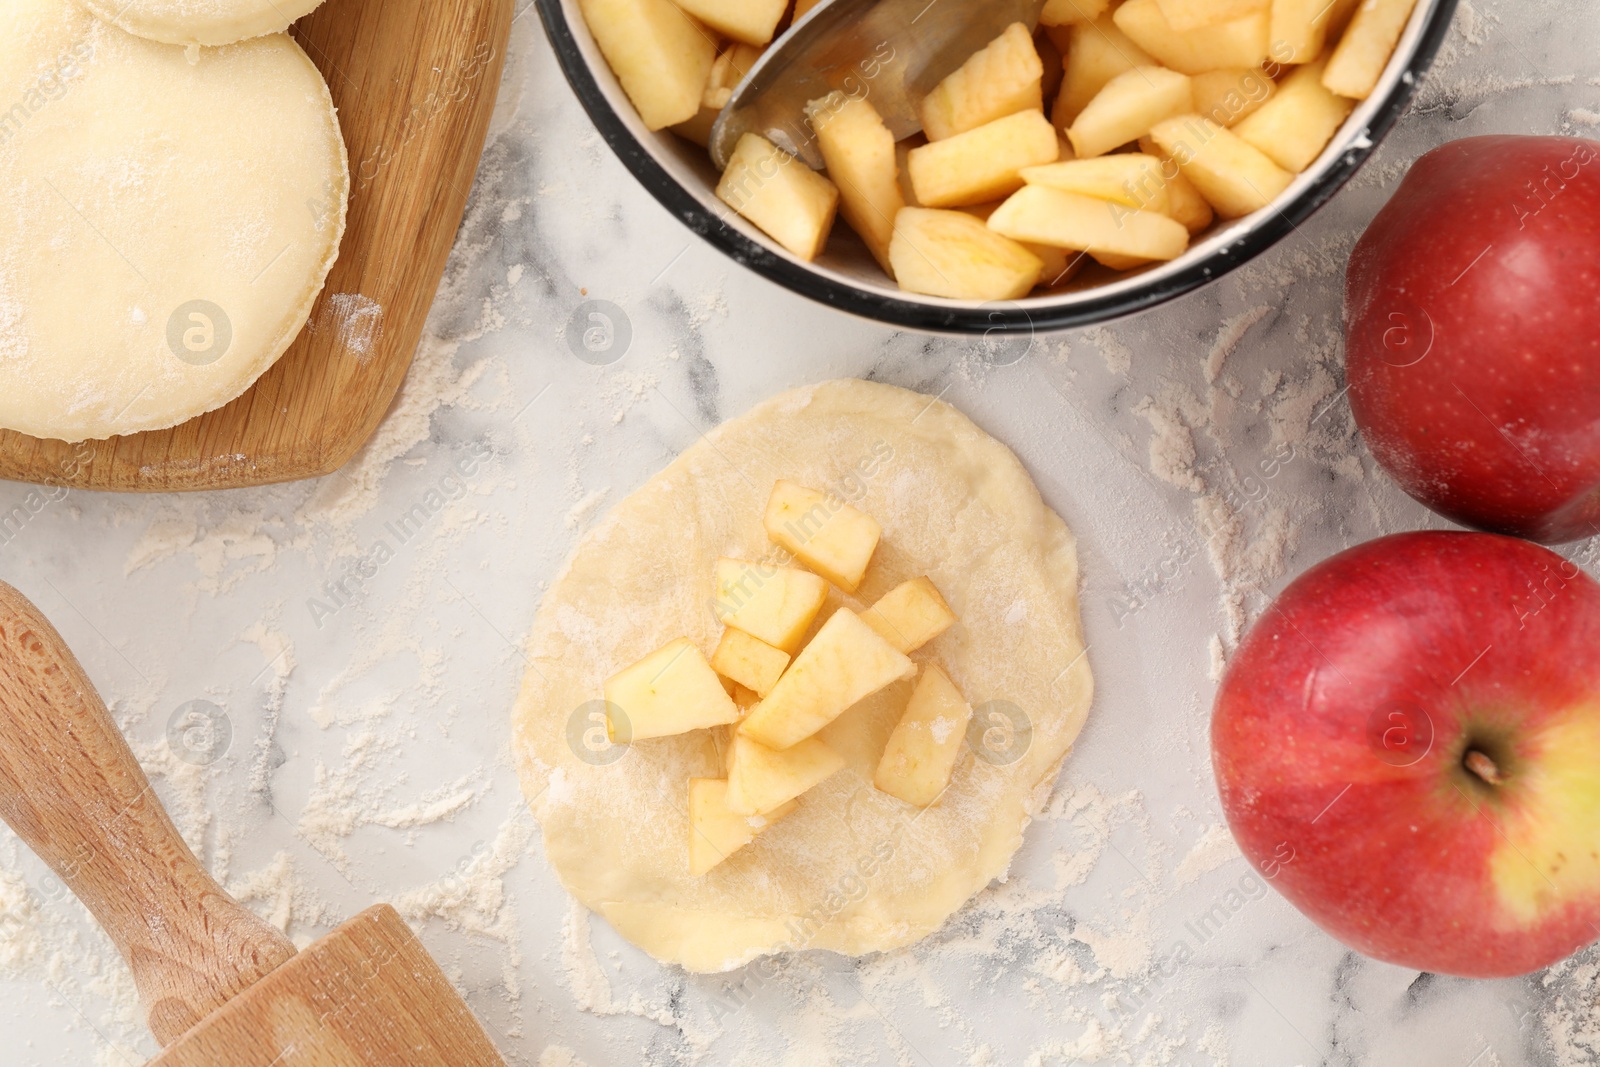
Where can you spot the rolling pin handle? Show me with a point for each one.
(71, 789)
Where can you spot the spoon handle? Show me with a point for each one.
(71, 789)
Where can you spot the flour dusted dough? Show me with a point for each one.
(207, 22)
(853, 870)
(139, 189)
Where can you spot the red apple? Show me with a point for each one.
(1472, 311)
(1407, 746)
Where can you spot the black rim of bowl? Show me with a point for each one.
(1002, 316)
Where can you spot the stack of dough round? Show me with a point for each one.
(853, 869)
(166, 219)
(207, 22)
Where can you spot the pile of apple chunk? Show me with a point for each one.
(1167, 114)
(767, 708)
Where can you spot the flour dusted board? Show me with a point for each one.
(415, 83)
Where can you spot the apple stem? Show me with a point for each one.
(1483, 767)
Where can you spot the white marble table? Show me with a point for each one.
(368, 752)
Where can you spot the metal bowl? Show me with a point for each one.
(680, 175)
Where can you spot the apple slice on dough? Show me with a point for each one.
(715, 833)
(845, 663)
(826, 534)
(671, 691)
(921, 755)
(773, 604)
(748, 661)
(910, 615)
(761, 779)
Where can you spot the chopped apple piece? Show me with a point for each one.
(1297, 125)
(1186, 15)
(790, 202)
(741, 58)
(845, 663)
(1128, 107)
(1001, 79)
(1184, 202)
(661, 56)
(1059, 265)
(1132, 179)
(1240, 42)
(1072, 12)
(1233, 176)
(922, 752)
(981, 164)
(858, 150)
(749, 661)
(1227, 97)
(826, 534)
(719, 90)
(763, 779)
(671, 691)
(952, 254)
(698, 129)
(715, 833)
(750, 21)
(1302, 28)
(910, 615)
(1367, 46)
(773, 604)
(1071, 220)
(728, 71)
(1096, 52)
(1115, 262)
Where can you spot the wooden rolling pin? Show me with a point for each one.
(219, 985)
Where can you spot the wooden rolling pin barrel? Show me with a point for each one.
(219, 984)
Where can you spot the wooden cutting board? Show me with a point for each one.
(415, 83)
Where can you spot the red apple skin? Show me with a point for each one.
(1472, 314)
(1375, 831)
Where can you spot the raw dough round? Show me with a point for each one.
(853, 870)
(208, 22)
(165, 225)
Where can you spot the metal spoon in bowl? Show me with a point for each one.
(891, 51)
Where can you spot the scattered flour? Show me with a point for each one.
(584, 510)
(587, 981)
(1118, 356)
(1172, 447)
(1228, 338)
(1571, 1020)
(20, 940)
(1215, 848)
(356, 322)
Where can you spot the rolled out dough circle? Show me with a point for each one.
(166, 221)
(853, 870)
(206, 22)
